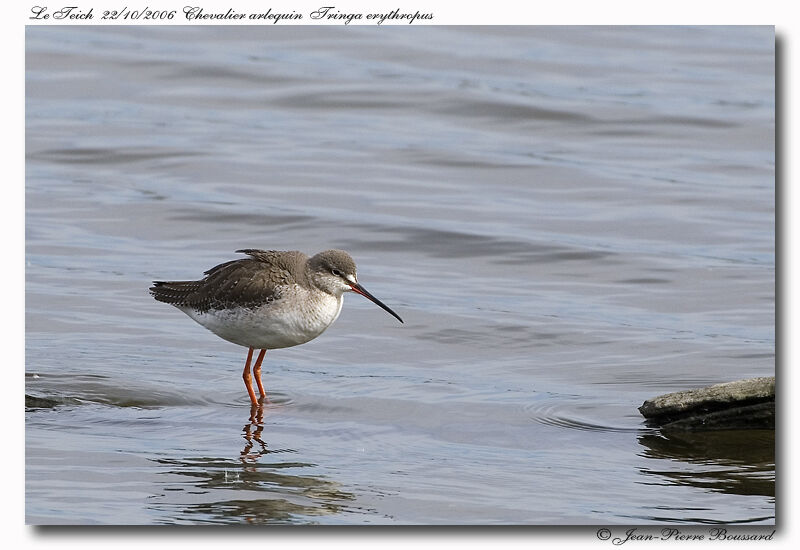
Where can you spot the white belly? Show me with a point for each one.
(288, 321)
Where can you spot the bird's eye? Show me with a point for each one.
(336, 272)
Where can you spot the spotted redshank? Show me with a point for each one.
(269, 300)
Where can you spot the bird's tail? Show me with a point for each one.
(174, 292)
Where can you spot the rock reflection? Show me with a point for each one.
(739, 462)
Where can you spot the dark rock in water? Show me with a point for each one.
(32, 402)
(744, 404)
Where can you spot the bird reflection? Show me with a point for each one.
(260, 485)
(252, 434)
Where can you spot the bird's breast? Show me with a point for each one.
(296, 316)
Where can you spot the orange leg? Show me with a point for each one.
(246, 377)
(257, 373)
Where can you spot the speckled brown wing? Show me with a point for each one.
(248, 282)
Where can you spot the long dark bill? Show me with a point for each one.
(363, 291)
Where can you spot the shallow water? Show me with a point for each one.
(569, 220)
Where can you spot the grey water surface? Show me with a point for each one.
(570, 220)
